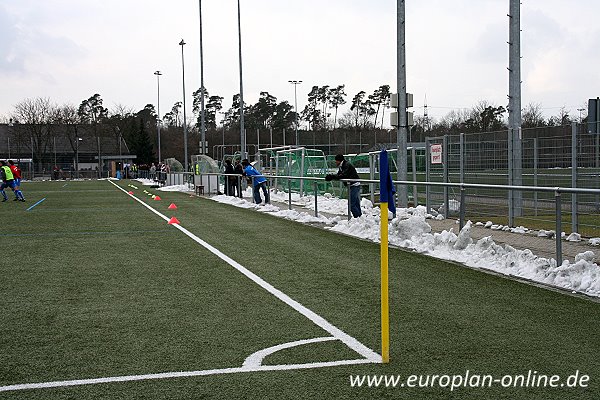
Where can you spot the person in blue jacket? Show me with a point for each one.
(258, 182)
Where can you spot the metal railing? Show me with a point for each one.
(462, 188)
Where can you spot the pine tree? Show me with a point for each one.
(141, 145)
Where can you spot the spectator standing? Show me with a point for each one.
(238, 170)
(347, 171)
(230, 181)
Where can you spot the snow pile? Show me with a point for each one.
(411, 230)
(175, 188)
(146, 182)
(594, 241)
(519, 229)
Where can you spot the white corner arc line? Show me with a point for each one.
(314, 317)
(181, 374)
(256, 359)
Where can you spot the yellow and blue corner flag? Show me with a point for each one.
(386, 187)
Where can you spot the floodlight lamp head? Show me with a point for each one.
(181, 43)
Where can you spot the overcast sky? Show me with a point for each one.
(457, 53)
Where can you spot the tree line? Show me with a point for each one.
(40, 120)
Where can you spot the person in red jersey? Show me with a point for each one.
(17, 177)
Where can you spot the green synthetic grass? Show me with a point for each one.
(100, 286)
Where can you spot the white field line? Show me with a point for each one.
(315, 318)
(256, 359)
(182, 374)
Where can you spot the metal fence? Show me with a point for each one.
(567, 156)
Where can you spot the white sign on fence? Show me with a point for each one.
(436, 153)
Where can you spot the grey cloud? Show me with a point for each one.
(22, 44)
(10, 59)
(540, 33)
(491, 46)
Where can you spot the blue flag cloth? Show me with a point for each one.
(386, 187)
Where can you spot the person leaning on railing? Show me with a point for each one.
(258, 182)
(347, 171)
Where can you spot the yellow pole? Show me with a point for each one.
(385, 309)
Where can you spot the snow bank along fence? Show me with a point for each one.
(456, 207)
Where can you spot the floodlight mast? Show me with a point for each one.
(158, 74)
(296, 83)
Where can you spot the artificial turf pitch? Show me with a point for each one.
(95, 285)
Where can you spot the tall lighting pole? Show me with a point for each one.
(202, 123)
(242, 130)
(158, 74)
(185, 133)
(296, 83)
(402, 117)
(515, 163)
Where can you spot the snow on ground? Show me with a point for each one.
(410, 230)
(175, 188)
(146, 182)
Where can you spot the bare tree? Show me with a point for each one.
(532, 117)
(35, 120)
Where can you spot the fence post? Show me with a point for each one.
(276, 171)
(511, 202)
(427, 173)
(558, 234)
(445, 162)
(414, 173)
(316, 196)
(597, 164)
(289, 194)
(462, 157)
(302, 172)
(462, 207)
(372, 176)
(535, 175)
(574, 219)
(208, 183)
(349, 211)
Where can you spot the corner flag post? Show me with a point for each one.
(386, 193)
(385, 317)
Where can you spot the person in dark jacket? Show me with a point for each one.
(238, 170)
(347, 171)
(230, 181)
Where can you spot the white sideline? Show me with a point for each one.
(315, 318)
(182, 374)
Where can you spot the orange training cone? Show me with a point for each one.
(173, 221)
(172, 206)
(157, 198)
